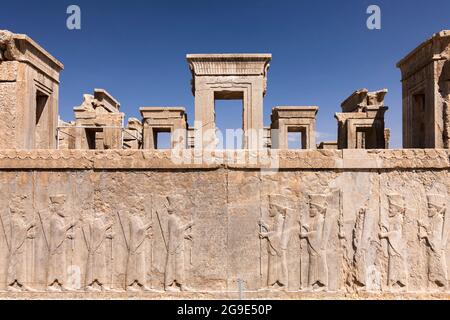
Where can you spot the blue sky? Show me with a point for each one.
(322, 50)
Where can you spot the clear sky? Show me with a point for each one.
(322, 49)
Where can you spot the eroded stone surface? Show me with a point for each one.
(381, 229)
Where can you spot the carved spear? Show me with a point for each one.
(162, 231)
(192, 239)
(123, 230)
(4, 232)
(43, 230)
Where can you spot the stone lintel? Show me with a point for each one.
(431, 41)
(294, 112)
(229, 64)
(108, 101)
(20, 47)
(163, 112)
(368, 113)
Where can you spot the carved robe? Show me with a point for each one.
(360, 244)
(17, 267)
(175, 256)
(97, 258)
(57, 259)
(318, 270)
(136, 258)
(277, 247)
(397, 272)
(437, 265)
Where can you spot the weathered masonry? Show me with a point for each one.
(92, 208)
(426, 94)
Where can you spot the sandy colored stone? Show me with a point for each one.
(108, 216)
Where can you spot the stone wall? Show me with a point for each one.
(78, 220)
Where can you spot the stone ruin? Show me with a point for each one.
(93, 209)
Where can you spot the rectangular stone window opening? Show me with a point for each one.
(162, 138)
(418, 120)
(297, 138)
(361, 138)
(229, 119)
(93, 137)
(42, 121)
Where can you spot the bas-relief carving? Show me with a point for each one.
(59, 232)
(21, 230)
(97, 231)
(278, 236)
(434, 232)
(376, 234)
(177, 233)
(391, 230)
(316, 234)
(140, 231)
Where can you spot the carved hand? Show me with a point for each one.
(263, 225)
(263, 235)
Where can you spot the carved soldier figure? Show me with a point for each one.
(139, 232)
(98, 230)
(436, 239)
(21, 230)
(60, 231)
(393, 233)
(317, 242)
(277, 241)
(177, 234)
(360, 245)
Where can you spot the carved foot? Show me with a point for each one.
(133, 289)
(13, 289)
(172, 289)
(92, 289)
(53, 289)
(150, 290)
(28, 289)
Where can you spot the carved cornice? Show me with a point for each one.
(333, 160)
(20, 47)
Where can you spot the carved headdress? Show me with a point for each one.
(396, 200)
(280, 200)
(58, 199)
(17, 203)
(437, 200)
(319, 200)
(175, 201)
